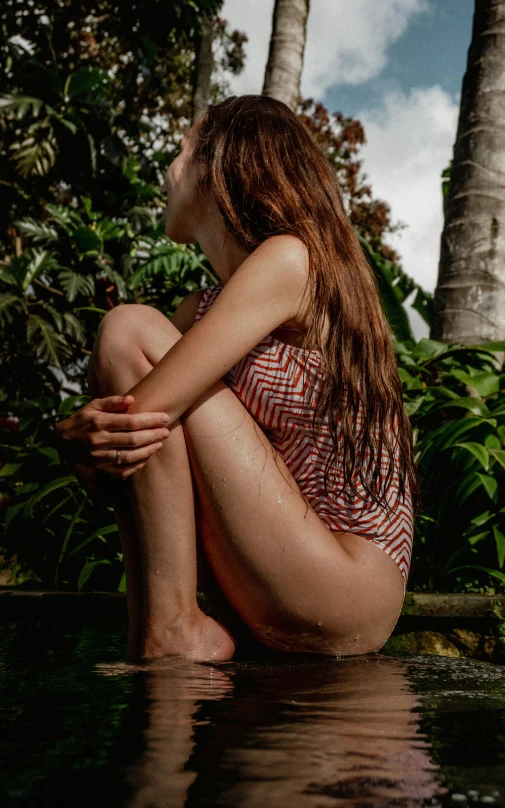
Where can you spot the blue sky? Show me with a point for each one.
(397, 66)
(433, 50)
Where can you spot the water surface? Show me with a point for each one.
(80, 725)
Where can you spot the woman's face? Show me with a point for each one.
(183, 211)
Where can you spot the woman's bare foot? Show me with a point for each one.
(205, 640)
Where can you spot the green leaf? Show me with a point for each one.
(20, 104)
(492, 346)
(478, 451)
(429, 349)
(8, 469)
(499, 538)
(10, 306)
(102, 312)
(499, 455)
(50, 345)
(484, 383)
(482, 518)
(88, 569)
(492, 441)
(11, 512)
(36, 229)
(73, 284)
(494, 573)
(86, 241)
(412, 407)
(73, 327)
(102, 531)
(491, 486)
(122, 583)
(470, 403)
(86, 80)
(477, 537)
(467, 486)
(443, 437)
(36, 261)
(69, 405)
(54, 485)
(36, 154)
(7, 276)
(66, 217)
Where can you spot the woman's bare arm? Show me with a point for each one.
(265, 291)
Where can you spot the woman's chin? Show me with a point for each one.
(178, 235)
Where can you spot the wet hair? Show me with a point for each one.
(269, 177)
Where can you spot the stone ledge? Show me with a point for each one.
(447, 604)
(438, 605)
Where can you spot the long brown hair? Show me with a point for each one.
(269, 176)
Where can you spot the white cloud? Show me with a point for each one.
(409, 143)
(354, 38)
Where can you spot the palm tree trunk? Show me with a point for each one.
(204, 64)
(285, 58)
(469, 301)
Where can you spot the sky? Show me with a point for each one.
(397, 66)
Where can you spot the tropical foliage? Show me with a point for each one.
(91, 114)
(455, 397)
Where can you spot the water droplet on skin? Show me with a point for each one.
(284, 547)
(319, 623)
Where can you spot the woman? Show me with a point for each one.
(280, 392)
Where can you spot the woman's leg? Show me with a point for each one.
(147, 549)
(297, 585)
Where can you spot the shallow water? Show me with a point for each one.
(82, 726)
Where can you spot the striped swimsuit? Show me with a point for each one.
(275, 382)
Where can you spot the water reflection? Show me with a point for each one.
(81, 728)
(313, 733)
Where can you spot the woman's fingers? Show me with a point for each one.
(129, 440)
(98, 418)
(132, 460)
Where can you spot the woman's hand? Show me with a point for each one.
(92, 435)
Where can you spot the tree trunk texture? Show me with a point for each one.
(469, 301)
(204, 64)
(285, 58)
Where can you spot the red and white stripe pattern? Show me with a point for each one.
(278, 384)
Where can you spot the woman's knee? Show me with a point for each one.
(135, 325)
(122, 322)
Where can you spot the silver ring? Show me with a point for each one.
(118, 459)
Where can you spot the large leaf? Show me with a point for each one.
(88, 569)
(54, 485)
(73, 283)
(36, 154)
(50, 345)
(499, 538)
(21, 105)
(478, 451)
(36, 229)
(10, 306)
(86, 80)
